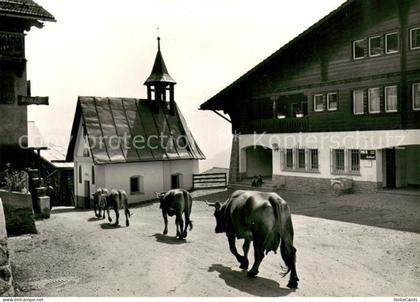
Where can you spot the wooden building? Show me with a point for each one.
(342, 99)
(16, 18)
(139, 145)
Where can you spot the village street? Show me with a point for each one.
(75, 254)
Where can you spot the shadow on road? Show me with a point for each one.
(255, 286)
(95, 219)
(109, 226)
(168, 239)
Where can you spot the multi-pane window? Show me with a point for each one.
(391, 43)
(358, 96)
(354, 160)
(374, 100)
(415, 38)
(313, 158)
(338, 161)
(375, 48)
(391, 99)
(416, 96)
(332, 101)
(359, 49)
(318, 102)
(289, 158)
(301, 159)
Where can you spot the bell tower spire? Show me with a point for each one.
(160, 85)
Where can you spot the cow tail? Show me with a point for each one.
(187, 198)
(288, 251)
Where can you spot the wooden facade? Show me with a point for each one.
(347, 86)
(320, 61)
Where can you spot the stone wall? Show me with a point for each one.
(18, 212)
(6, 278)
(319, 185)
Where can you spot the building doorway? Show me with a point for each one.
(259, 161)
(87, 194)
(390, 168)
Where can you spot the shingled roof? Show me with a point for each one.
(127, 120)
(24, 9)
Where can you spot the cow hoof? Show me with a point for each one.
(127, 224)
(244, 265)
(252, 274)
(165, 232)
(109, 219)
(292, 284)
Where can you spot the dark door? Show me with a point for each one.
(87, 194)
(390, 168)
(175, 181)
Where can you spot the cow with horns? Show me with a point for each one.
(263, 218)
(176, 202)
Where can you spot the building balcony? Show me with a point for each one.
(282, 125)
(12, 45)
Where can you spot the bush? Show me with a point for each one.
(16, 181)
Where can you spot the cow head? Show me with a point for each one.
(219, 214)
(160, 196)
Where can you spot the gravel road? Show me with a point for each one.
(75, 254)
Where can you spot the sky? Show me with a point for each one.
(107, 48)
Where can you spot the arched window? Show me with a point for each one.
(136, 184)
(80, 174)
(93, 175)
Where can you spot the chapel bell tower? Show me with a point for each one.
(160, 85)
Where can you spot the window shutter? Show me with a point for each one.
(382, 99)
(324, 102)
(282, 158)
(332, 160)
(365, 101)
(307, 155)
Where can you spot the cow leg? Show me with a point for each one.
(95, 209)
(258, 255)
(184, 232)
(127, 215)
(165, 220)
(109, 215)
(232, 246)
(117, 214)
(245, 247)
(179, 227)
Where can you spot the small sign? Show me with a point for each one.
(32, 100)
(368, 154)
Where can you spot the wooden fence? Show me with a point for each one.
(211, 180)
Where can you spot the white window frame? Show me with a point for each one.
(354, 103)
(369, 90)
(411, 38)
(354, 50)
(386, 43)
(370, 48)
(413, 96)
(322, 98)
(328, 101)
(386, 98)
